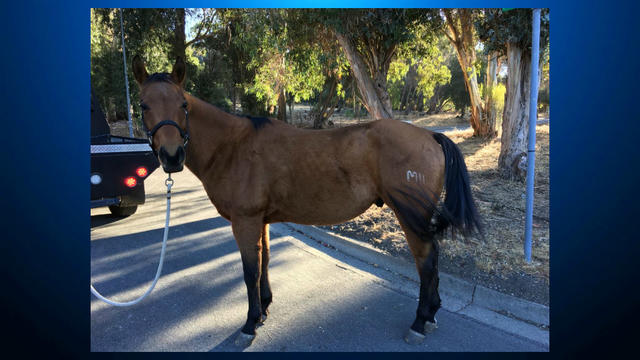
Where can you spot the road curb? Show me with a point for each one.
(463, 297)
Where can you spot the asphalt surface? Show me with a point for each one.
(323, 300)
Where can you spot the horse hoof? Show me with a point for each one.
(413, 337)
(243, 340)
(429, 326)
(262, 320)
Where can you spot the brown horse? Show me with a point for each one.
(258, 171)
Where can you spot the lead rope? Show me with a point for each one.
(169, 183)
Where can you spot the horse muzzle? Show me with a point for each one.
(172, 161)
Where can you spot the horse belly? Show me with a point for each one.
(329, 206)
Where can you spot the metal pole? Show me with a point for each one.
(533, 114)
(126, 78)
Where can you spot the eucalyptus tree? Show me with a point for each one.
(418, 69)
(509, 33)
(146, 32)
(460, 30)
(455, 89)
(370, 39)
(158, 35)
(269, 59)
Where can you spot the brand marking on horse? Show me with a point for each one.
(418, 177)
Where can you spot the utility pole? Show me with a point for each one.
(533, 114)
(126, 78)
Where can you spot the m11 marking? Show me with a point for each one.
(418, 177)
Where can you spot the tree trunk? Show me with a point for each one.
(179, 48)
(460, 32)
(471, 82)
(291, 105)
(325, 106)
(489, 102)
(437, 101)
(234, 99)
(410, 84)
(420, 102)
(512, 162)
(374, 91)
(282, 106)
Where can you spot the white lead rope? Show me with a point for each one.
(169, 183)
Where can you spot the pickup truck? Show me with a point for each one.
(119, 166)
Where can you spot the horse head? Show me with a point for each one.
(163, 102)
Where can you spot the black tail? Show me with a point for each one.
(459, 211)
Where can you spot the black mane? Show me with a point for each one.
(259, 122)
(159, 77)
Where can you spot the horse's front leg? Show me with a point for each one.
(248, 233)
(265, 287)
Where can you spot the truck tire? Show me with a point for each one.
(123, 210)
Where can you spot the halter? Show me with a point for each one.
(183, 133)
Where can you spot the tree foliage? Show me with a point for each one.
(250, 59)
(418, 68)
(498, 27)
(456, 88)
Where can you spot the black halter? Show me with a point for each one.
(183, 133)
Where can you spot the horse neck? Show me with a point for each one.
(211, 131)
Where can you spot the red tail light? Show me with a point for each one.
(130, 181)
(142, 171)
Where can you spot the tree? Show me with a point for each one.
(510, 32)
(156, 34)
(369, 39)
(315, 51)
(272, 57)
(461, 33)
(417, 71)
(235, 36)
(456, 88)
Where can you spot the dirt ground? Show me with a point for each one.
(497, 261)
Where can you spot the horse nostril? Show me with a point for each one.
(163, 154)
(176, 158)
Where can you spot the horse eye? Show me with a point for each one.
(184, 105)
(144, 106)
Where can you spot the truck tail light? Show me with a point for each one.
(130, 181)
(141, 171)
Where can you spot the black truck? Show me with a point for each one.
(119, 166)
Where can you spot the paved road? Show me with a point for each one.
(323, 300)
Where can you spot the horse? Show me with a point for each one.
(257, 171)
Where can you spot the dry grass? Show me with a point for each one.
(436, 120)
(501, 204)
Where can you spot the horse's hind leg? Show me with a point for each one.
(425, 252)
(265, 287)
(424, 248)
(248, 233)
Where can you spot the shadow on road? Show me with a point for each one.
(180, 298)
(104, 219)
(134, 256)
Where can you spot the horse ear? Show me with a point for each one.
(139, 70)
(179, 71)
